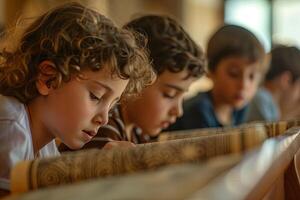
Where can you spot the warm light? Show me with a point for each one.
(253, 15)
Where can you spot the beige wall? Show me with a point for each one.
(15, 9)
(199, 17)
(122, 12)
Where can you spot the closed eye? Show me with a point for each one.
(94, 97)
(169, 96)
(233, 74)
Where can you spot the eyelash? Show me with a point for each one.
(168, 96)
(233, 74)
(94, 97)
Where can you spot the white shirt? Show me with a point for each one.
(15, 138)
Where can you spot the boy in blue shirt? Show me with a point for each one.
(235, 59)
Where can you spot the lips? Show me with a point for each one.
(165, 124)
(239, 97)
(90, 133)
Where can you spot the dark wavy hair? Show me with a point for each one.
(73, 37)
(284, 58)
(232, 40)
(170, 47)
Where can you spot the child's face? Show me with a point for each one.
(75, 111)
(235, 81)
(289, 99)
(159, 104)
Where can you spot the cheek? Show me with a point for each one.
(153, 116)
(155, 108)
(227, 77)
(227, 82)
(227, 87)
(297, 90)
(294, 94)
(158, 110)
(297, 93)
(251, 90)
(72, 110)
(83, 111)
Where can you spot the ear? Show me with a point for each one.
(285, 79)
(47, 74)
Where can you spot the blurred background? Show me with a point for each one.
(273, 21)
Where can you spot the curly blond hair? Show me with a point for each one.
(73, 37)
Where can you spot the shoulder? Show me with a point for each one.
(11, 108)
(263, 107)
(200, 102)
(262, 95)
(16, 145)
(14, 125)
(13, 118)
(262, 102)
(49, 150)
(199, 99)
(197, 113)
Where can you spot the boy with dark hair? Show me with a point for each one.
(278, 98)
(235, 64)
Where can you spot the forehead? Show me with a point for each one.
(239, 63)
(105, 73)
(105, 76)
(178, 79)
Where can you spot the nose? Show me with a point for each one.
(243, 83)
(177, 109)
(101, 118)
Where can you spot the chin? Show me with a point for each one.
(75, 146)
(239, 105)
(154, 132)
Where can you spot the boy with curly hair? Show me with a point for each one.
(71, 66)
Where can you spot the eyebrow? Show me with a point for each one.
(103, 85)
(175, 87)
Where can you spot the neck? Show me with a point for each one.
(223, 111)
(40, 135)
(273, 89)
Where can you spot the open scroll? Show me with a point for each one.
(272, 129)
(257, 174)
(76, 166)
(170, 182)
